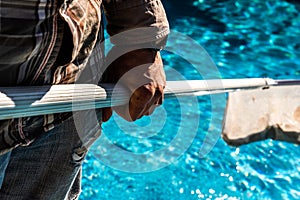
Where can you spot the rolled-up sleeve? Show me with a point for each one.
(133, 22)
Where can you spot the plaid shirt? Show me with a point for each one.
(50, 42)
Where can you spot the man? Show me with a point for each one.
(59, 42)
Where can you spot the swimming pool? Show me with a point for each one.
(178, 153)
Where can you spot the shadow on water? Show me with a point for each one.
(187, 10)
(295, 2)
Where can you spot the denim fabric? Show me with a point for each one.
(4, 159)
(50, 168)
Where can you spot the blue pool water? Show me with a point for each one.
(178, 153)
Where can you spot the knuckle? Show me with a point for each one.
(144, 92)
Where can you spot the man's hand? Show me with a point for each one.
(141, 72)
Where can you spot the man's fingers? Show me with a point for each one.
(106, 114)
(140, 100)
(151, 109)
(136, 106)
(159, 95)
(151, 97)
(154, 103)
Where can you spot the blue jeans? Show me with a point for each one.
(49, 168)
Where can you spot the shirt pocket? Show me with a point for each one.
(83, 18)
